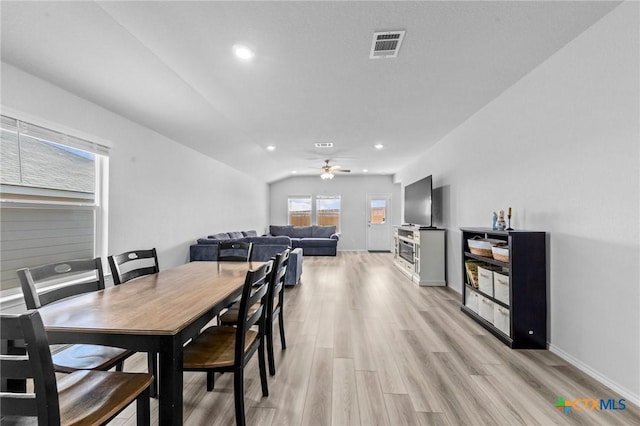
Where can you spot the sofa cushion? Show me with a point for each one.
(250, 233)
(235, 235)
(220, 236)
(282, 240)
(264, 252)
(322, 231)
(301, 232)
(286, 230)
(318, 242)
(208, 241)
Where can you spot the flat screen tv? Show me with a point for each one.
(417, 203)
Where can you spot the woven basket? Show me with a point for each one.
(480, 247)
(500, 253)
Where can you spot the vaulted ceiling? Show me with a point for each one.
(169, 66)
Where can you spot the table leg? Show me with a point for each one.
(170, 391)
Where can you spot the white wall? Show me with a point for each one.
(162, 194)
(562, 148)
(353, 210)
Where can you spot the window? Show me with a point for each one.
(378, 211)
(328, 211)
(52, 189)
(299, 210)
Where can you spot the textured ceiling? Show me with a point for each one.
(168, 66)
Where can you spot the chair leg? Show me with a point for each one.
(263, 368)
(152, 365)
(281, 326)
(238, 395)
(270, 354)
(143, 409)
(210, 381)
(120, 366)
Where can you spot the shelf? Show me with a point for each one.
(486, 260)
(527, 287)
(493, 299)
(488, 326)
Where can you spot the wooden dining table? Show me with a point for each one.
(154, 313)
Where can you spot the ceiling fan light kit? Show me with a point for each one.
(327, 170)
(326, 175)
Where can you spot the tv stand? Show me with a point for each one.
(419, 252)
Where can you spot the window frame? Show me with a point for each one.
(25, 196)
(299, 197)
(320, 198)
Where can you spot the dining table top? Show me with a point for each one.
(157, 304)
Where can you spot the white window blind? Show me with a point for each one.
(50, 200)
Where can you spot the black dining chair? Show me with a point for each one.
(76, 277)
(238, 251)
(87, 397)
(133, 264)
(220, 349)
(126, 267)
(275, 305)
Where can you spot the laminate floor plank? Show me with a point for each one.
(425, 391)
(325, 337)
(367, 346)
(385, 360)
(317, 406)
(400, 410)
(344, 403)
(371, 400)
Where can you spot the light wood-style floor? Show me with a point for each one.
(365, 346)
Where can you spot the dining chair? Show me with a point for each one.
(126, 267)
(238, 251)
(220, 349)
(133, 264)
(78, 276)
(275, 305)
(82, 397)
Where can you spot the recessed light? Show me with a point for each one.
(271, 148)
(293, 172)
(378, 146)
(243, 52)
(364, 170)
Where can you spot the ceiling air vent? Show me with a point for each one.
(324, 145)
(386, 44)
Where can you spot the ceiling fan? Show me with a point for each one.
(328, 170)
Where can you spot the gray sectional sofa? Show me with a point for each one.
(264, 248)
(314, 240)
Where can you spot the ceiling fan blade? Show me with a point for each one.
(344, 170)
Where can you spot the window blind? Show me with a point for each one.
(50, 209)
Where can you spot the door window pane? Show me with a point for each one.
(378, 211)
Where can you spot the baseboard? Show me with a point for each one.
(626, 393)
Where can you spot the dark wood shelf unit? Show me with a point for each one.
(527, 272)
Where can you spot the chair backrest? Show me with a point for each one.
(276, 288)
(133, 264)
(238, 251)
(36, 365)
(254, 291)
(79, 276)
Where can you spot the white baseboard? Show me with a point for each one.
(626, 393)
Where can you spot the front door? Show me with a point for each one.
(379, 222)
